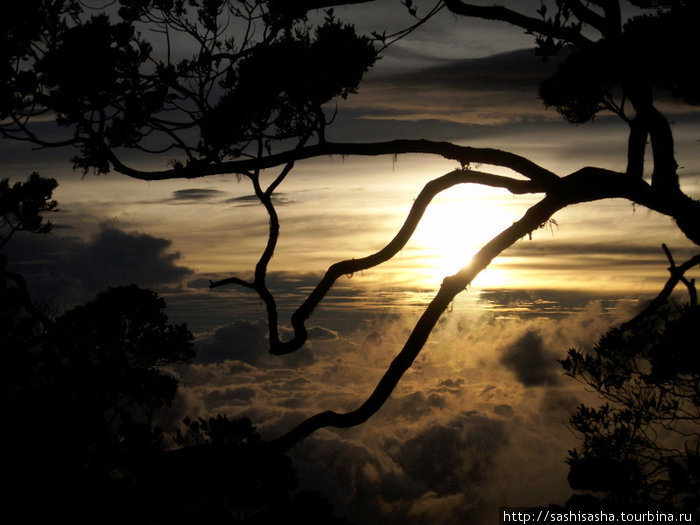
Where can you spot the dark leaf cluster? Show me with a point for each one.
(278, 91)
(652, 49)
(22, 205)
(258, 75)
(641, 445)
(81, 396)
(24, 28)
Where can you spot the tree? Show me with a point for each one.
(225, 473)
(640, 446)
(81, 438)
(80, 397)
(250, 97)
(21, 208)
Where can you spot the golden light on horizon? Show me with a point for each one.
(455, 227)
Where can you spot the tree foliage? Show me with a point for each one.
(641, 445)
(80, 397)
(21, 207)
(103, 79)
(22, 203)
(649, 52)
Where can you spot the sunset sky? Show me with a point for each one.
(480, 420)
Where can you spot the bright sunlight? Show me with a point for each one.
(455, 226)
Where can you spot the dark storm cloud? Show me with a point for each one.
(115, 256)
(69, 268)
(530, 361)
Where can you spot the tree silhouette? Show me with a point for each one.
(80, 396)
(82, 393)
(640, 447)
(81, 439)
(22, 204)
(251, 96)
(21, 208)
(225, 473)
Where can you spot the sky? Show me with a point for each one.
(480, 421)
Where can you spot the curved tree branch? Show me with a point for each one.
(585, 185)
(530, 24)
(651, 120)
(462, 154)
(636, 145)
(587, 16)
(451, 286)
(351, 266)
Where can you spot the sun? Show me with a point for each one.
(455, 226)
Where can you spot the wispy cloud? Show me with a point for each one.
(278, 199)
(196, 194)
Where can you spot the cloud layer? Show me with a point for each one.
(70, 269)
(477, 423)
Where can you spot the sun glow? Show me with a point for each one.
(455, 226)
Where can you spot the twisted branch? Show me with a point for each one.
(462, 154)
(350, 266)
(581, 186)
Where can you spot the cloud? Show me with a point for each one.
(599, 248)
(558, 405)
(452, 458)
(318, 333)
(248, 342)
(278, 199)
(504, 411)
(228, 396)
(196, 194)
(537, 303)
(459, 436)
(493, 90)
(241, 340)
(532, 364)
(114, 256)
(591, 255)
(70, 269)
(498, 89)
(433, 508)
